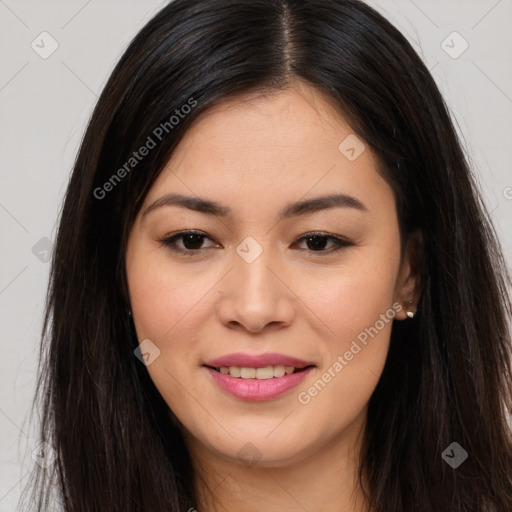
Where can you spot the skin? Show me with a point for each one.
(256, 154)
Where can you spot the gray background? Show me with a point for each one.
(45, 104)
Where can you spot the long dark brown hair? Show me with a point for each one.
(448, 373)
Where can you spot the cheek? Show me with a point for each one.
(162, 299)
(350, 299)
(355, 307)
(353, 359)
(165, 306)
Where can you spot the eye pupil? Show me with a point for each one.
(192, 240)
(317, 245)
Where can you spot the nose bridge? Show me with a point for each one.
(254, 296)
(256, 279)
(256, 287)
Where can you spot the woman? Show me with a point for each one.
(275, 286)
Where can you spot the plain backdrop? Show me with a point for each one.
(55, 58)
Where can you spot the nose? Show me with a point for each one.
(256, 296)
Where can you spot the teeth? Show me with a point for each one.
(234, 371)
(264, 373)
(279, 371)
(247, 373)
(268, 372)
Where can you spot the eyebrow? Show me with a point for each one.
(304, 207)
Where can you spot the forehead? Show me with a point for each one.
(260, 150)
(280, 125)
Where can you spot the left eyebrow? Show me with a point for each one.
(305, 207)
(321, 203)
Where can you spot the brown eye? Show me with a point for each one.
(316, 242)
(192, 241)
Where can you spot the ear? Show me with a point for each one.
(409, 282)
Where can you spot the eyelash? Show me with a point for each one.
(170, 241)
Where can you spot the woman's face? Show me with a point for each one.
(251, 286)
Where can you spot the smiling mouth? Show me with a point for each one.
(261, 373)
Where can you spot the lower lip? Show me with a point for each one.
(256, 390)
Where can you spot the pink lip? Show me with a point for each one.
(257, 390)
(257, 361)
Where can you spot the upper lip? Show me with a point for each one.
(257, 360)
